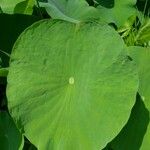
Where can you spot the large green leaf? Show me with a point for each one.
(70, 10)
(70, 86)
(119, 13)
(10, 137)
(17, 6)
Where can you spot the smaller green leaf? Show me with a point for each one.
(119, 13)
(142, 57)
(70, 10)
(25, 7)
(17, 6)
(136, 134)
(10, 137)
(3, 72)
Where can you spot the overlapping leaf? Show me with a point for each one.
(70, 10)
(142, 57)
(136, 133)
(17, 6)
(75, 85)
(118, 13)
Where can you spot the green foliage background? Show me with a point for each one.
(128, 19)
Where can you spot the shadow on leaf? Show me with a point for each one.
(131, 136)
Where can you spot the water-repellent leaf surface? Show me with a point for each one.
(10, 137)
(74, 83)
